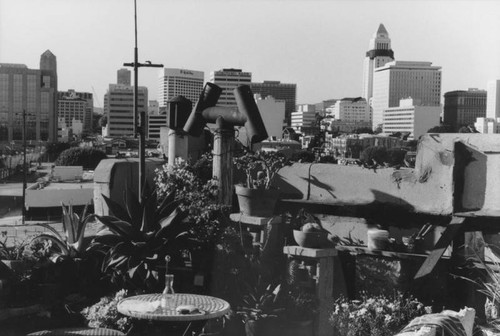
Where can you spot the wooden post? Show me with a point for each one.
(324, 282)
(223, 160)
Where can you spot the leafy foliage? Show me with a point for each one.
(260, 167)
(196, 192)
(72, 243)
(88, 157)
(396, 156)
(104, 314)
(301, 305)
(143, 234)
(54, 149)
(441, 129)
(374, 156)
(261, 301)
(13, 252)
(375, 315)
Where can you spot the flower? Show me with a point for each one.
(374, 315)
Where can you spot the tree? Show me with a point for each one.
(53, 149)
(441, 129)
(87, 157)
(374, 156)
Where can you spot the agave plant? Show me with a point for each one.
(71, 244)
(143, 233)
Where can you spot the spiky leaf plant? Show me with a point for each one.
(143, 234)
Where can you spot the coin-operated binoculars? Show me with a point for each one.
(226, 118)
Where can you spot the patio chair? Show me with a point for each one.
(78, 332)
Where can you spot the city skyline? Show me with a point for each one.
(318, 45)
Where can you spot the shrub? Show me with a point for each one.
(375, 315)
(396, 156)
(304, 156)
(196, 191)
(374, 155)
(104, 314)
(87, 157)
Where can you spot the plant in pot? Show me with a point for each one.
(142, 234)
(308, 232)
(261, 310)
(256, 195)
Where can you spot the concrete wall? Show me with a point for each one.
(431, 187)
(114, 177)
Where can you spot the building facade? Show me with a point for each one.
(379, 54)
(493, 99)
(304, 119)
(72, 105)
(120, 109)
(179, 82)
(487, 125)
(462, 108)
(400, 80)
(352, 110)
(156, 122)
(124, 76)
(228, 80)
(410, 118)
(33, 91)
(279, 91)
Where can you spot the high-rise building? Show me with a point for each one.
(410, 117)
(402, 79)
(179, 82)
(493, 100)
(123, 76)
(33, 91)
(156, 121)
(279, 91)
(462, 108)
(120, 108)
(228, 80)
(379, 54)
(72, 105)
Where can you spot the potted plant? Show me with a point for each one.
(260, 309)
(13, 256)
(256, 195)
(142, 234)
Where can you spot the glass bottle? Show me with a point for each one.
(169, 284)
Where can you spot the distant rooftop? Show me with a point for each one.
(13, 65)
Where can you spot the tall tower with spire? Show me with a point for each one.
(378, 55)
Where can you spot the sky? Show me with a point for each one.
(319, 45)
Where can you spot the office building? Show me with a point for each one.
(228, 80)
(123, 76)
(72, 105)
(120, 109)
(379, 54)
(279, 91)
(33, 91)
(179, 82)
(351, 110)
(155, 122)
(410, 117)
(400, 80)
(462, 108)
(304, 119)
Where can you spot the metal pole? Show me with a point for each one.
(24, 167)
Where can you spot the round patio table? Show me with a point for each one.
(150, 307)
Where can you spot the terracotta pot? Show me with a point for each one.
(257, 202)
(311, 239)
